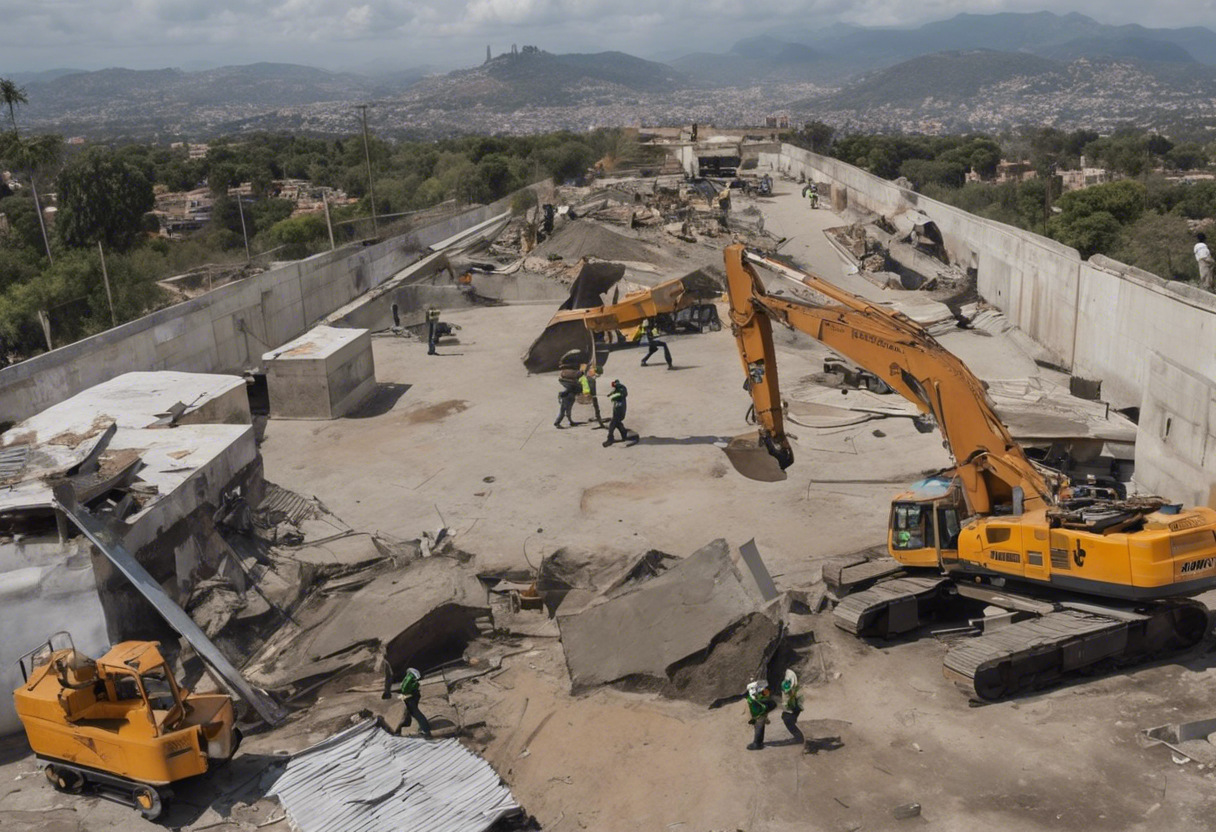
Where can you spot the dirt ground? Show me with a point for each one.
(466, 439)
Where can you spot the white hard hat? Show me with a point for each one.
(753, 688)
(413, 671)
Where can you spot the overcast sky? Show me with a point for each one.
(141, 34)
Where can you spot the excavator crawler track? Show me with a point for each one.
(892, 607)
(1037, 652)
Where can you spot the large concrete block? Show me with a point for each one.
(1176, 436)
(646, 632)
(323, 374)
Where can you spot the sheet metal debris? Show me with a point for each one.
(364, 779)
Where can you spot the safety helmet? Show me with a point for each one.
(413, 671)
(753, 689)
(616, 382)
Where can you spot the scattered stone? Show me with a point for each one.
(906, 811)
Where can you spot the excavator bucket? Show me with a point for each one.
(753, 459)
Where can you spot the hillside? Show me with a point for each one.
(534, 78)
(127, 101)
(987, 90)
(954, 76)
(1062, 37)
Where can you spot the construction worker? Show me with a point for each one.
(811, 192)
(759, 703)
(587, 380)
(619, 398)
(791, 704)
(652, 341)
(411, 692)
(568, 378)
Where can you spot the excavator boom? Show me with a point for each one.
(990, 464)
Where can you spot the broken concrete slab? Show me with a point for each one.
(642, 634)
(423, 615)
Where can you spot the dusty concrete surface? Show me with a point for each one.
(465, 440)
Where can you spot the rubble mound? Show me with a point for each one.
(583, 238)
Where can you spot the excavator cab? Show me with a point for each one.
(925, 524)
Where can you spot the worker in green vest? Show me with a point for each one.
(411, 693)
(587, 380)
(759, 703)
(791, 704)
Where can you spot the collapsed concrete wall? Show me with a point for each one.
(1097, 318)
(226, 330)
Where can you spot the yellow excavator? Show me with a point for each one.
(1089, 579)
(120, 725)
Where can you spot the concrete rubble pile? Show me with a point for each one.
(387, 608)
(690, 629)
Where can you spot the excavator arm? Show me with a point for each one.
(989, 463)
(574, 329)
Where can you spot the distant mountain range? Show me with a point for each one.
(994, 70)
(989, 90)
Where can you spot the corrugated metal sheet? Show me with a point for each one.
(12, 461)
(364, 779)
(280, 504)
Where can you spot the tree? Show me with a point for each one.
(1089, 234)
(12, 95)
(296, 234)
(1161, 244)
(102, 198)
(1032, 204)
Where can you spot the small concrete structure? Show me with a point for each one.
(323, 374)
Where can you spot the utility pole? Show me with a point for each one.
(240, 200)
(105, 277)
(329, 223)
(367, 154)
(41, 224)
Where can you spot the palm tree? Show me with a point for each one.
(12, 95)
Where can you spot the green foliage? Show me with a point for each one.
(1124, 200)
(299, 234)
(921, 172)
(1089, 234)
(73, 294)
(102, 197)
(523, 202)
(24, 231)
(1161, 244)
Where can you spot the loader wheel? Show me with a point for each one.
(65, 780)
(147, 801)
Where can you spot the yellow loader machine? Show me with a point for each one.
(120, 725)
(1089, 580)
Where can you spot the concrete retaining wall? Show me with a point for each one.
(228, 329)
(1098, 318)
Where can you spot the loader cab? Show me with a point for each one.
(925, 523)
